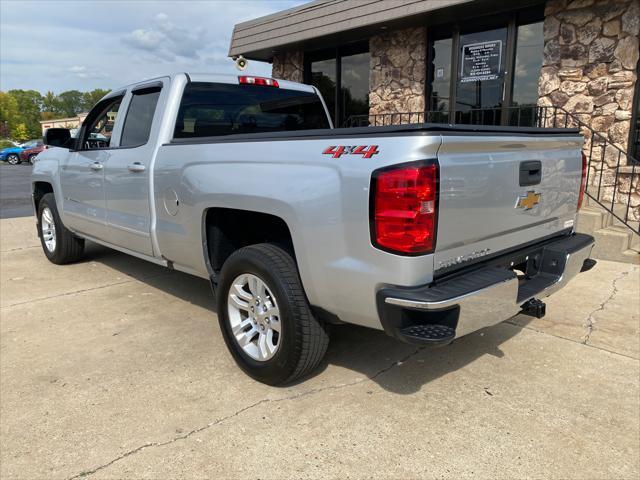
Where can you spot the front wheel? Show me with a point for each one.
(13, 159)
(32, 159)
(59, 245)
(265, 318)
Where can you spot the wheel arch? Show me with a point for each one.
(226, 230)
(39, 189)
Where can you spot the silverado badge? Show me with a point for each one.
(530, 200)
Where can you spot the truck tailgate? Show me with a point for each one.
(501, 192)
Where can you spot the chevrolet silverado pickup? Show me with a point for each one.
(428, 232)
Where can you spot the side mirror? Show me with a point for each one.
(57, 137)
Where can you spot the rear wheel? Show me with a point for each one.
(32, 158)
(59, 245)
(13, 159)
(265, 317)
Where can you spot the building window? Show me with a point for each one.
(355, 85)
(486, 71)
(529, 52)
(323, 77)
(342, 77)
(441, 81)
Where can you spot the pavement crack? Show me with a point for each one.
(542, 332)
(19, 248)
(591, 318)
(184, 436)
(86, 473)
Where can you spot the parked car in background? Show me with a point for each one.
(11, 155)
(29, 154)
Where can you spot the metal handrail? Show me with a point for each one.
(599, 149)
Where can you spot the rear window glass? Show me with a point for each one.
(212, 109)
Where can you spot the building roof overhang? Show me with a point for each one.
(329, 23)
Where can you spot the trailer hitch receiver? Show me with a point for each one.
(535, 308)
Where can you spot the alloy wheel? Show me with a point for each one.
(48, 229)
(254, 317)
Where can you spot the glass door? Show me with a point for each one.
(480, 86)
(486, 71)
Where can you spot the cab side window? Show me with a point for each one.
(137, 123)
(99, 124)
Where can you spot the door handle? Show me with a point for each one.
(96, 166)
(530, 173)
(136, 167)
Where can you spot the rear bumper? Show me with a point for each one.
(481, 296)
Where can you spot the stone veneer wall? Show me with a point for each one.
(288, 66)
(398, 71)
(589, 69)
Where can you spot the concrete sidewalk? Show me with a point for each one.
(115, 368)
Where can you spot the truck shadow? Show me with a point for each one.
(405, 369)
(394, 366)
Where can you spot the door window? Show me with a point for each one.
(440, 70)
(355, 85)
(98, 126)
(529, 46)
(480, 86)
(137, 123)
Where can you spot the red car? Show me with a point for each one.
(29, 154)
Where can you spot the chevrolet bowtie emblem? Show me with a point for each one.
(530, 200)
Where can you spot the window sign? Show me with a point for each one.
(481, 61)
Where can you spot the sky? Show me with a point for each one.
(63, 45)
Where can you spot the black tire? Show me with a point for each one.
(68, 248)
(13, 159)
(32, 158)
(304, 339)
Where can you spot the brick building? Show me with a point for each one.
(70, 122)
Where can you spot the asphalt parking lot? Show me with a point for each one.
(115, 368)
(15, 190)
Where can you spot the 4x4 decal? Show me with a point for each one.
(367, 151)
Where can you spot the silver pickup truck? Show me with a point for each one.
(427, 232)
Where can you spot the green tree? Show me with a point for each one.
(9, 115)
(89, 99)
(70, 103)
(29, 106)
(50, 103)
(20, 133)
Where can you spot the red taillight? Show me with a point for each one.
(404, 209)
(583, 182)
(265, 82)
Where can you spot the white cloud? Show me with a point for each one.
(166, 40)
(145, 39)
(81, 71)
